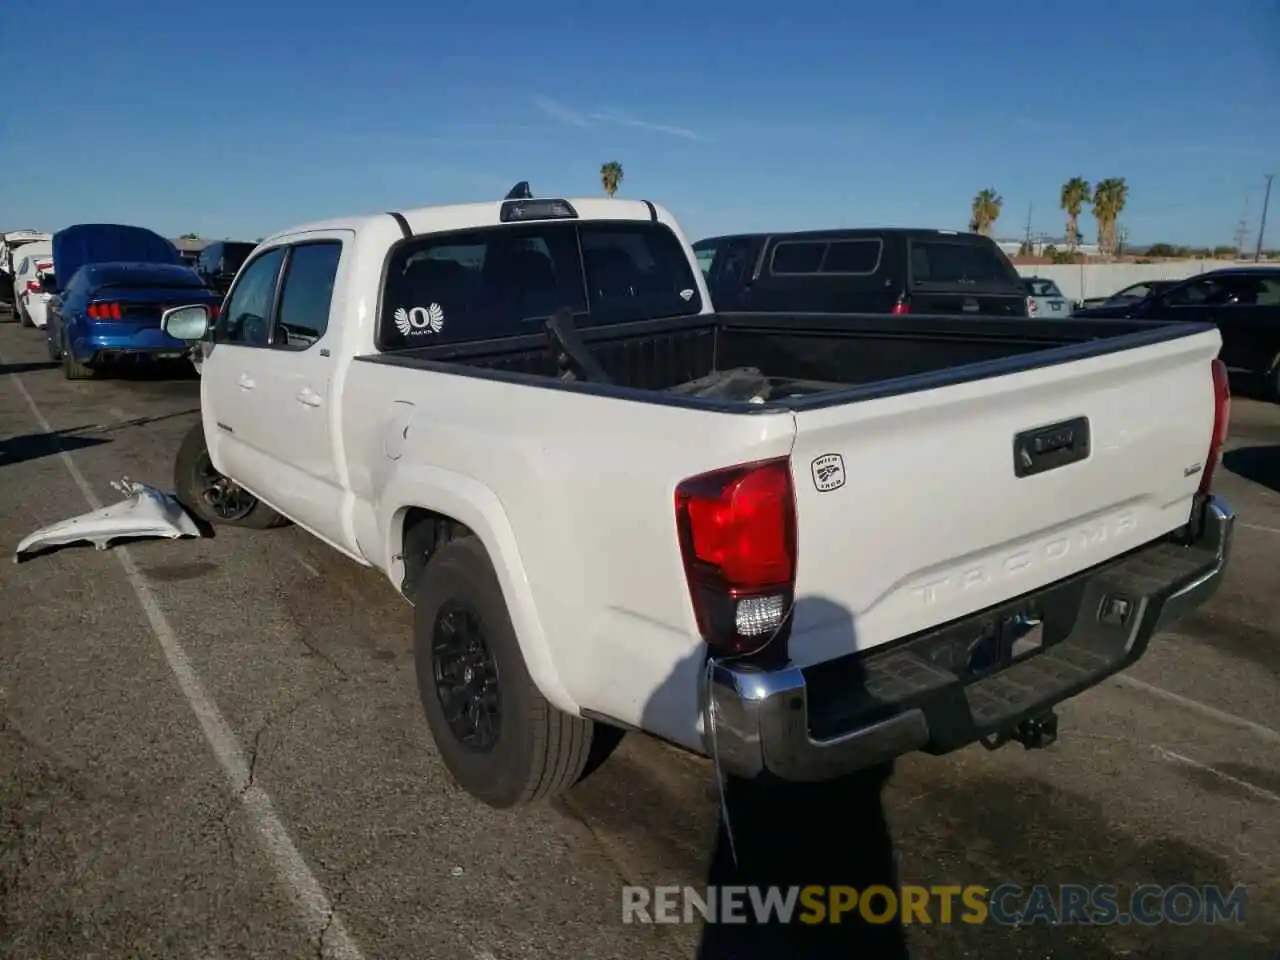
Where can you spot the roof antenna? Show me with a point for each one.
(520, 191)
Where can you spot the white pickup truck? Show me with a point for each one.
(802, 544)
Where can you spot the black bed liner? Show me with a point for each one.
(876, 356)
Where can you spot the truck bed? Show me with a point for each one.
(948, 466)
(812, 360)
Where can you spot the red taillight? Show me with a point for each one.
(214, 310)
(901, 307)
(104, 311)
(737, 531)
(1221, 422)
(33, 286)
(1032, 306)
(44, 266)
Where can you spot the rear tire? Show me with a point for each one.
(467, 655)
(24, 318)
(72, 368)
(212, 497)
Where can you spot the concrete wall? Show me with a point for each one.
(1077, 281)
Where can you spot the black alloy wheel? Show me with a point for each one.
(466, 677)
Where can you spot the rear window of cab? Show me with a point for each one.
(503, 281)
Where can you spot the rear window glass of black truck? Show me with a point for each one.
(859, 257)
(234, 255)
(961, 264)
(503, 281)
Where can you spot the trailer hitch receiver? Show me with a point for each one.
(1034, 733)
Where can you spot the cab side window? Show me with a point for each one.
(730, 266)
(705, 253)
(307, 294)
(1241, 291)
(1269, 292)
(246, 318)
(1197, 293)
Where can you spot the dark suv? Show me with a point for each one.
(887, 270)
(219, 261)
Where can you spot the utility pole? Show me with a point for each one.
(1262, 224)
(1027, 241)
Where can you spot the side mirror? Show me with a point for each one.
(186, 323)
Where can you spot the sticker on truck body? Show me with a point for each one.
(418, 320)
(828, 472)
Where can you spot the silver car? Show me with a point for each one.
(1044, 299)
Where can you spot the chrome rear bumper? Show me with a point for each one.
(876, 706)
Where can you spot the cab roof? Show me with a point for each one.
(459, 216)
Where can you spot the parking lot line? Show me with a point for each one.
(1259, 527)
(1265, 733)
(318, 915)
(1253, 788)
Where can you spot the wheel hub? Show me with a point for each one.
(223, 496)
(466, 677)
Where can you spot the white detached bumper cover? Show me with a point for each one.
(147, 513)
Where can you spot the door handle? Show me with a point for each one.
(245, 382)
(308, 397)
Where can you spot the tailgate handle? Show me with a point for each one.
(1047, 448)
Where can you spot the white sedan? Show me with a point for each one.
(29, 298)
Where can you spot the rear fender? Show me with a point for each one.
(75, 328)
(471, 503)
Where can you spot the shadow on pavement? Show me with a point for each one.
(33, 446)
(150, 371)
(29, 367)
(1259, 464)
(797, 835)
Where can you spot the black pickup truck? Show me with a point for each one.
(876, 270)
(219, 262)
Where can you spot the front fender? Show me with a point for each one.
(472, 503)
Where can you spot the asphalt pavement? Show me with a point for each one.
(212, 749)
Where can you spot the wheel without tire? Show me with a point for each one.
(498, 736)
(211, 496)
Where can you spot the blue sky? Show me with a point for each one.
(235, 119)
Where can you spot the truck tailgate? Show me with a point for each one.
(918, 508)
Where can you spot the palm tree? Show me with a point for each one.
(611, 177)
(1109, 198)
(986, 210)
(1075, 194)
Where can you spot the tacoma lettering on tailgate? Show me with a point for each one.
(1087, 537)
